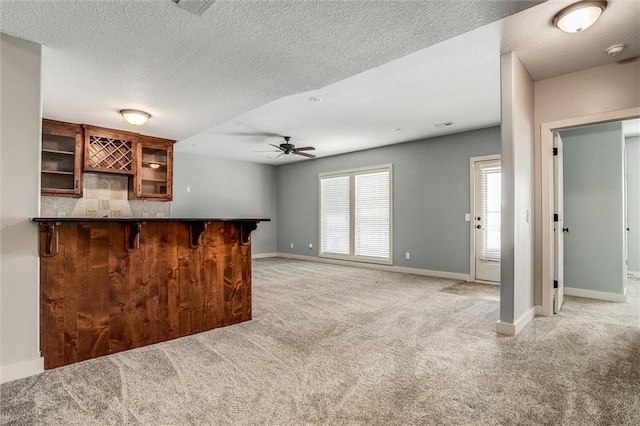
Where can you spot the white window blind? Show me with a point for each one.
(372, 214)
(491, 188)
(335, 215)
(355, 214)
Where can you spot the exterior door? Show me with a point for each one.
(558, 235)
(486, 220)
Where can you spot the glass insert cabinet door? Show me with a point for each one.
(61, 159)
(155, 169)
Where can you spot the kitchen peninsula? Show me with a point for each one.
(112, 284)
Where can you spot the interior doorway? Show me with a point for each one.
(486, 178)
(547, 207)
(595, 209)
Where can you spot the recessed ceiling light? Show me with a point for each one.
(445, 124)
(315, 99)
(579, 16)
(397, 129)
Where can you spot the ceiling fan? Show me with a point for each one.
(289, 148)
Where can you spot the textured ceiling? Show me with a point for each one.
(249, 67)
(192, 73)
(400, 101)
(456, 80)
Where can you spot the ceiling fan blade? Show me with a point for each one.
(304, 154)
(280, 155)
(271, 150)
(276, 146)
(306, 148)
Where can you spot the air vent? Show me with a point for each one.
(445, 124)
(197, 7)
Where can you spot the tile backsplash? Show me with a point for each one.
(104, 196)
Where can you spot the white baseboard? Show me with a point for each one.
(388, 268)
(592, 294)
(517, 326)
(21, 370)
(263, 255)
(497, 284)
(634, 274)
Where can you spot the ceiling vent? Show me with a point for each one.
(445, 124)
(197, 7)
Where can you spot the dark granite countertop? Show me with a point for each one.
(145, 219)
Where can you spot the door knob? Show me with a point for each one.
(565, 230)
(478, 226)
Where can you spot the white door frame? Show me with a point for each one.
(547, 190)
(472, 204)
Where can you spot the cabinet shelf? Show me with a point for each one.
(53, 151)
(154, 180)
(57, 172)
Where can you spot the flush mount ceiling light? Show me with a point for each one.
(135, 117)
(578, 16)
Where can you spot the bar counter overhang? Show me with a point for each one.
(112, 284)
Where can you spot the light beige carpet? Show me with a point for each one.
(339, 345)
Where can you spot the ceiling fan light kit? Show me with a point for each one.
(579, 16)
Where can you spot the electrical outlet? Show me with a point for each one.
(310, 245)
(291, 245)
(188, 189)
(407, 256)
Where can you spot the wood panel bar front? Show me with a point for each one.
(99, 294)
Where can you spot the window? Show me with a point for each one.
(490, 181)
(355, 214)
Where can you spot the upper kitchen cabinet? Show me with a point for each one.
(61, 170)
(109, 151)
(154, 176)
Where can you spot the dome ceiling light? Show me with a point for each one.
(135, 117)
(578, 16)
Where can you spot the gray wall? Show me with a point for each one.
(430, 198)
(633, 202)
(593, 208)
(227, 188)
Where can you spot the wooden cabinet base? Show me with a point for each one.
(101, 294)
